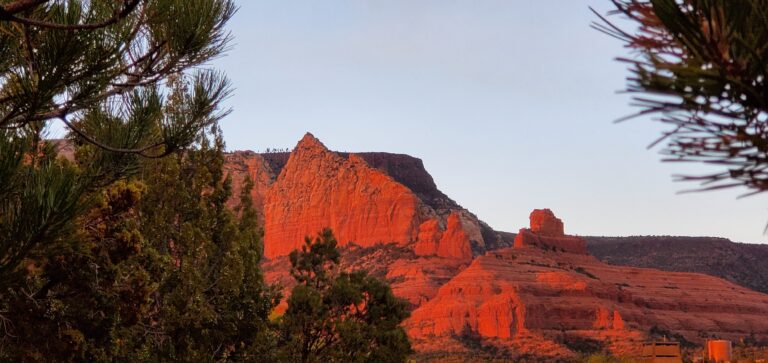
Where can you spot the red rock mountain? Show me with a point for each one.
(364, 205)
(474, 290)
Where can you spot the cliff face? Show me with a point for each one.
(365, 198)
(469, 290)
(318, 189)
(528, 298)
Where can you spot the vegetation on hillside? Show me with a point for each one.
(336, 316)
(128, 251)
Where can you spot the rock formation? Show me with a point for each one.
(547, 232)
(510, 296)
(544, 223)
(318, 189)
(312, 188)
(455, 271)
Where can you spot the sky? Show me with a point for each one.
(509, 103)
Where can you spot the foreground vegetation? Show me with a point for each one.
(156, 267)
(133, 248)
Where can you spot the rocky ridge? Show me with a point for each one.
(472, 288)
(316, 188)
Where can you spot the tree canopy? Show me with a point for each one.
(133, 248)
(336, 316)
(700, 66)
(99, 68)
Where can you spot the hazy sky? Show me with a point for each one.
(509, 103)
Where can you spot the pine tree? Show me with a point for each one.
(158, 270)
(106, 70)
(336, 316)
(700, 66)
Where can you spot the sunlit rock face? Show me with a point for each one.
(312, 188)
(547, 232)
(466, 281)
(544, 223)
(318, 188)
(525, 299)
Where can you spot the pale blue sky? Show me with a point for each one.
(509, 103)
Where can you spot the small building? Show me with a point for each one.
(661, 352)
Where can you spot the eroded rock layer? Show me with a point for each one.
(529, 294)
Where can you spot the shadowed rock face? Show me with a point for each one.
(741, 263)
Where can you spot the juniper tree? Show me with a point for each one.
(336, 316)
(700, 66)
(127, 80)
(158, 269)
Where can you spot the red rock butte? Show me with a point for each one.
(317, 188)
(547, 232)
(526, 293)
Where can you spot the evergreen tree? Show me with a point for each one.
(213, 305)
(78, 279)
(101, 69)
(160, 269)
(338, 316)
(701, 66)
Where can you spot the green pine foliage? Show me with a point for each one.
(214, 303)
(338, 316)
(700, 66)
(135, 249)
(158, 269)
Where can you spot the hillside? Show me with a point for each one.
(477, 292)
(474, 290)
(741, 263)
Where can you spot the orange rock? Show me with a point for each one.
(429, 238)
(453, 242)
(603, 320)
(618, 322)
(529, 297)
(544, 223)
(318, 188)
(547, 232)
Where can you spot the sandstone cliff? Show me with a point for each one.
(526, 299)
(367, 199)
(536, 297)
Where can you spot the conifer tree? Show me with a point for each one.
(700, 65)
(213, 304)
(100, 69)
(336, 316)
